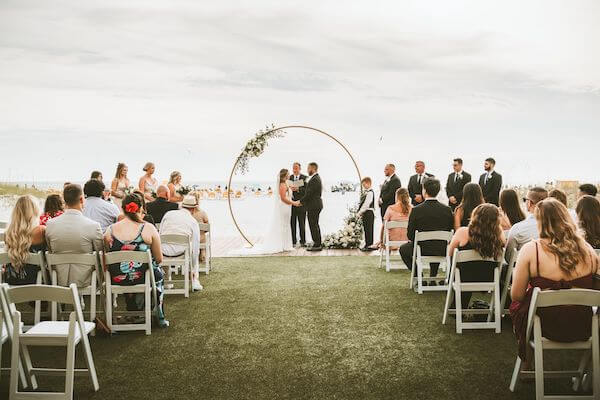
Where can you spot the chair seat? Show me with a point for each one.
(551, 344)
(57, 329)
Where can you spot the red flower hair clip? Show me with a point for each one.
(132, 207)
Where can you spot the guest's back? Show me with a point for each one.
(159, 207)
(430, 216)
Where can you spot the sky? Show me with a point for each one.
(85, 85)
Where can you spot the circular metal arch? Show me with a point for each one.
(311, 129)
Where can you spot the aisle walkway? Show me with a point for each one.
(301, 328)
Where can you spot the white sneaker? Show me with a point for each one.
(196, 286)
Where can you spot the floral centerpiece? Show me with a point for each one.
(256, 146)
(350, 236)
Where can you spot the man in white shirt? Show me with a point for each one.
(526, 230)
(181, 222)
(96, 208)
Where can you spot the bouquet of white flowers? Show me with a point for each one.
(183, 190)
(256, 146)
(350, 236)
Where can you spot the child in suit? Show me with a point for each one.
(366, 211)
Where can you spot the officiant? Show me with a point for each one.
(298, 213)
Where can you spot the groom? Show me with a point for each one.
(313, 204)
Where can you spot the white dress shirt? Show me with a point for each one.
(521, 233)
(181, 222)
(102, 211)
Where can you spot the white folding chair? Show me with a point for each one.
(5, 337)
(33, 259)
(157, 225)
(206, 246)
(148, 288)
(535, 340)
(421, 262)
(83, 260)
(386, 253)
(507, 283)
(47, 334)
(182, 262)
(456, 287)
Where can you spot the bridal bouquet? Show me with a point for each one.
(128, 190)
(350, 236)
(183, 190)
(256, 146)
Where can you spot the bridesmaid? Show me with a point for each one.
(148, 183)
(174, 185)
(119, 184)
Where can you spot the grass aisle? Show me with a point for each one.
(302, 328)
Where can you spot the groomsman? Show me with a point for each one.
(415, 184)
(387, 195)
(456, 182)
(298, 213)
(366, 210)
(490, 182)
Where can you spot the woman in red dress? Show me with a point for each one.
(53, 207)
(560, 259)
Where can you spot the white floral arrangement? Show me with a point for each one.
(256, 146)
(350, 236)
(129, 190)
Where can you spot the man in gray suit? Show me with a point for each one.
(73, 233)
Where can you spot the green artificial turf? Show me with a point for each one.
(301, 328)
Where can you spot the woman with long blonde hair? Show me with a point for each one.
(23, 236)
(560, 259)
(119, 184)
(174, 185)
(398, 212)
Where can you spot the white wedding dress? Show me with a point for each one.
(278, 236)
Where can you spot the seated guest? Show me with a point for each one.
(588, 215)
(398, 212)
(174, 185)
(559, 259)
(23, 235)
(484, 235)
(159, 207)
(133, 234)
(510, 209)
(96, 208)
(73, 232)
(526, 230)
(202, 217)
(53, 207)
(471, 198)
(182, 222)
(429, 216)
(587, 189)
(562, 197)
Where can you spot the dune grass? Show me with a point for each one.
(302, 328)
(7, 189)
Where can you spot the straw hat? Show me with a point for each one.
(189, 202)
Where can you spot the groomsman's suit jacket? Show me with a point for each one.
(312, 196)
(454, 186)
(415, 188)
(388, 193)
(431, 215)
(491, 188)
(301, 190)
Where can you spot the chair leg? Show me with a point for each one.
(70, 369)
(387, 258)
(89, 360)
(449, 296)
(15, 360)
(109, 307)
(539, 360)
(148, 306)
(515, 376)
(497, 306)
(596, 356)
(458, 307)
(419, 277)
(28, 366)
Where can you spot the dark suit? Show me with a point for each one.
(415, 188)
(159, 207)
(298, 213)
(491, 188)
(455, 186)
(314, 204)
(429, 216)
(388, 193)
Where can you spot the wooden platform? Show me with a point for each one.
(223, 246)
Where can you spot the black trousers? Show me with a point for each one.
(406, 252)
(368, 218)
(298, 219)
(313, 224)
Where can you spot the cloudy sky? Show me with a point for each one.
(86, 84)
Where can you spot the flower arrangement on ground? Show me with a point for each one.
(350, 236)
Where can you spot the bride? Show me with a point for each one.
(278, 236)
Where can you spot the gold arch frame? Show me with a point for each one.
(311, 129)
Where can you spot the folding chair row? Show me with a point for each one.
(386, 252)
(47, 334)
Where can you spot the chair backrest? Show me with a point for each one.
(433, 235)
(461, 256)
(3, 225)
(53, 259)
(2, 236)
(114, 257)
(32, 258)
(204, 227)
(396, 224)
(183, 240)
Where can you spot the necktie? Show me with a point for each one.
(420, 178)
(455, 177)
